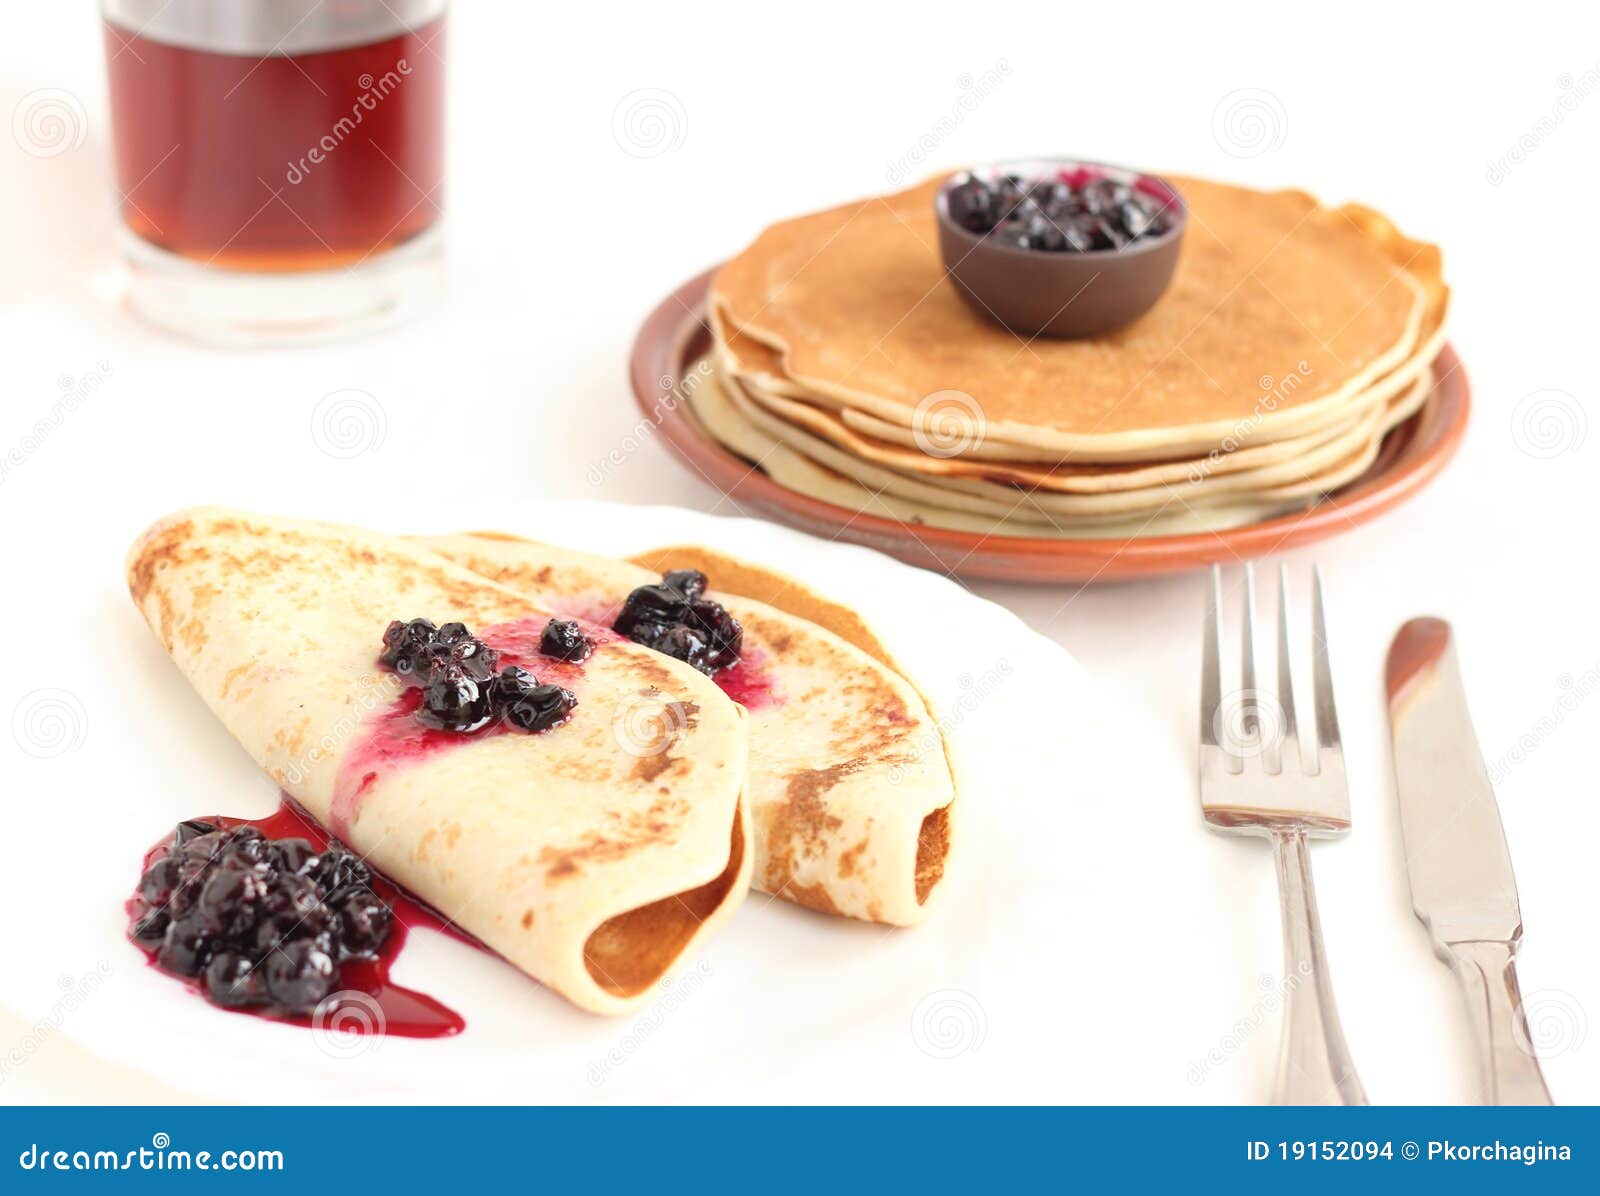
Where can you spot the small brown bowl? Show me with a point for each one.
(1040, 292)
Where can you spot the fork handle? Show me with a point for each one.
(1488, 976)
(1314, 1065)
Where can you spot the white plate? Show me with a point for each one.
(993, 999)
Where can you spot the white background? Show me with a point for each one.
(564, 230)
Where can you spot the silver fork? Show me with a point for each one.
(1257, 779)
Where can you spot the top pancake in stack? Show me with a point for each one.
(1292, 339)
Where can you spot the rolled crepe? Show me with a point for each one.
(851, 787)
(591, 867)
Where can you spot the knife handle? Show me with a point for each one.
(1314, 1064)
(1488, 975)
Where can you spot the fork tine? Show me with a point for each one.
(1211, 663)
(1249, 783)
(1249, 695)
(1322, 677)
(1291, 727)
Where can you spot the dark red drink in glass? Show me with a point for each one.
(280, 163)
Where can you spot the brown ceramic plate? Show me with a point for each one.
(675, 335)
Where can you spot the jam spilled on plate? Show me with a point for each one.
(269, 917)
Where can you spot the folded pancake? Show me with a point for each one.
(587, 868)
(851, 787)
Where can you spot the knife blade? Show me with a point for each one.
(1462, 886)
(1457, 860)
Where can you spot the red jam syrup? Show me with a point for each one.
(396, 737)
(750, 682)
(380, 1006)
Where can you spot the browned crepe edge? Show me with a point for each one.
(778, 590)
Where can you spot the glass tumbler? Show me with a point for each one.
(279, 163)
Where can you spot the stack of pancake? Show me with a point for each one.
(1293, 338)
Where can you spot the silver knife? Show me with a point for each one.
(1456, 857)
